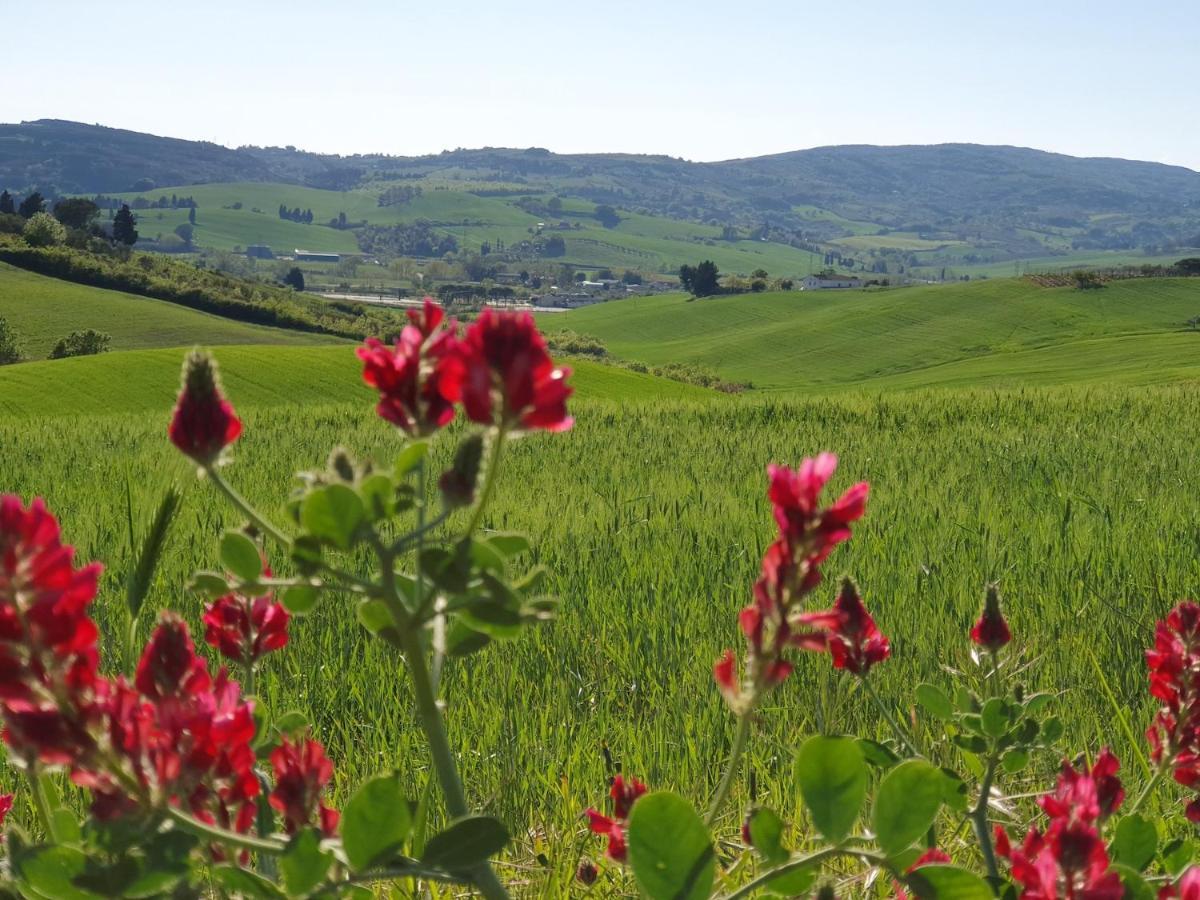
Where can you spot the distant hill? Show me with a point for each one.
(1026, 203)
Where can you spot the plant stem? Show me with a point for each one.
(443, 757)
(247, 510)
(220, 835)
(39, 802)
(802, 862)
(1158, 776)
(489, 479)
(979, 819)
(740, 739)
(889, 718)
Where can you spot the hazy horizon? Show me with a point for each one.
(698, 81)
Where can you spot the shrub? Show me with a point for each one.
(81, 343)
(11, 223)
(10, 345)
(43, 230)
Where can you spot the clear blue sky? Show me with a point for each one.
(698, 79)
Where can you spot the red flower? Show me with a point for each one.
(204, 423)
(245, 629)
(301, 773)
(587, 873)
(624, 794)
(795, 494)
(49, 681)
(169, 667)
(991, 631)
(1174, 663)
(6, 802)
(855, 643)
(418, 380)
(1069, 860)
(1187, 888)
(508, 377)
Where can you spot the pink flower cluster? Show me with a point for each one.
(499, 370)
(176, 736)
(774, 622)
(624, 794)
(1069, 859)
(1174, 664)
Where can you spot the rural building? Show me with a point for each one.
(259, 251)
(315, 256)
(830, 282)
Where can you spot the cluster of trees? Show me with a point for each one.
(552, 247)
(74, 219)
(607, 216)
(163, 202)
(700, 280)
(303, 216)
(417, 239)
(77, 343)
(396, 196)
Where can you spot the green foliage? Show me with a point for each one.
(43, 230)
(906, 803)
(376, 822)
(82, 343)
(670, 849)
(10, 345)
(294, 279)
(832, 776)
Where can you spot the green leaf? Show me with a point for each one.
(409, 457)
(53, 872)
(240, 556)
(374, 615)
(906, 803)
(995, 718)
(1015, 761)
(301, 599)
(1052, 730)
(1135, 886)
(209, 585)
(487, 557)
(832, 776)
(375, 822)
(304, 864)
(246, 884)
(793, 884)
(940, 882)
(333, 514)
(878, 755)
(1135, 842)
(766, 835)
(469, 840)
(1176, 856)
(462, 640)
(492, 618)
(935, 701)
(954, 791)
(1035, 703)
(378, 496)
(508, 545)
(291, 722)
(137, 585)
(670, 849)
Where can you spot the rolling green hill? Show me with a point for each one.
(254, 376)
(1000, 332)
(43, 310)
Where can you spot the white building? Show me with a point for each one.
(830, 282)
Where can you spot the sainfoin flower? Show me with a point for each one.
(204, 422)
(6, 802)
(774, 621)
(991, 631)
(931, 857)
(508, 377)
(50, 689)
(302, 772)
(1174, 664)
(855, 642)
(245, 629)
(623, 794)
(421, 377)
(1069, 859)
(1187, 888)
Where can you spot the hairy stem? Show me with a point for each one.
(979, 817)
(891, 720)
(260, 521)
(740, 738)
(222, 836)
(1157, 777)
(39, 802)
(489, 479)
(803, 862)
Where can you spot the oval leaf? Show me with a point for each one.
(333, 514)
(935, 701)
(300, 599)
(375, 822)
(469, 840)
(906, 804)
(240, 556)
(832, 776)
(1135, 843)
(670, 849)
(304, 864)
(948, 883)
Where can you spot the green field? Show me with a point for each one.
(1008, 332)
(43, 310)
(1010, 433)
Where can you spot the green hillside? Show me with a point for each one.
(43, 310)
(147, 380)
(998, 332)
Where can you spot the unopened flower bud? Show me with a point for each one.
(204, 422)
(457, 483)
(587, 872)
(341, 463)
(991, 631)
